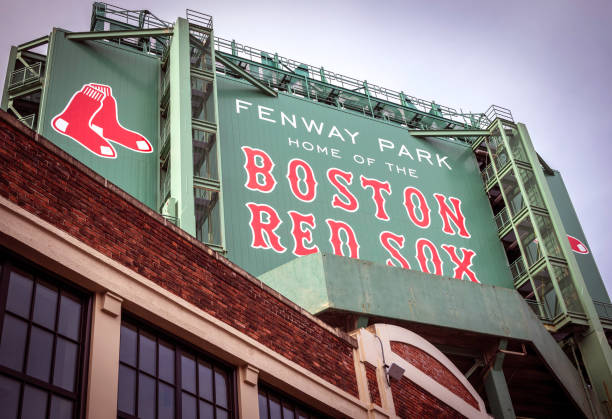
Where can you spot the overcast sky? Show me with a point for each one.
(548, 61)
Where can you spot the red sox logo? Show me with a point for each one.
(91, 119)
(577, 245)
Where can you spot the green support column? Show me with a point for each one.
(497, 388)
(181, 149)
(10, 67)
(596, 352)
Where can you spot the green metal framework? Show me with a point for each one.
(543, 266)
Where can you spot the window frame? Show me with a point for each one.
(180, 347)
(12, 262)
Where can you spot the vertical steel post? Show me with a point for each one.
(181, 148)
(10, 67)
(496, 387)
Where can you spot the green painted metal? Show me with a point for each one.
(448, 133)
(496, 387)
(462, 180)
(34, 43)
(134, 78)
(594, 346)
(247, 76)
(586, 262)
(7, 78)
(135, 33)
(319, 282)
(181, 161)
(219, 145)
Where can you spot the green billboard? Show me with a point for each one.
(300, 178)
(100, 105)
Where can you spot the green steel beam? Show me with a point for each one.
(34, 43)
(449, 132)
(179, 113)
(496, 386)
(137, 33)
(7, 78)
(246, 76)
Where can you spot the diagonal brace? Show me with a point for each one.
(226, 62)
(132, 33)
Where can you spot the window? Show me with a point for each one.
(161, 378)
(273, 405)
(42, 345)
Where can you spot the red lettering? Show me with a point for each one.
(309, 180)
(385, 238)
(377, 196)
(300, 234)
(334, 238)
(350, 204)
(423, 208)
(263, 232)
(259, 176)
(449, 215)
(421, 244)
(462, 266)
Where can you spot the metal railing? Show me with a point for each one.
(488, 174)
(28, 120)
(502, 219)
(199, 19)
(25, 75)
(539, 309)
(142, 19)
(495, 112)
(604, 310)
(517, 269)
(319, 75)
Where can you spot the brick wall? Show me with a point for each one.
(413, 402)
(372, 383)
(433, 368)
(48, 183)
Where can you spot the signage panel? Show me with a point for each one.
(101, 106)
(300, 178)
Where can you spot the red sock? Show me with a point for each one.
(106, 123)
(74, 122)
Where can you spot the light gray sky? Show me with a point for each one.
(549, 61)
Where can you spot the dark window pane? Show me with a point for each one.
(60, 408)
(165, 402)
(205, 376)
(287, 412)
(45, 305)
(188, 373)
(166, 362)
(127, 389)
(146, 397)
(127, 346)
(34, 405)
(12, 343)
(69, 317)
(148, 353)
(221, 414)
(65, 364)
(19, 295)
(188, 407)
(221, 388)
(9, 397)
(206, 410)
(263, 406)
(302, 415)
(39, 355)
(275, 408)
